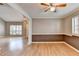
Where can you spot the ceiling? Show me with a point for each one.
(35, 11)
(9, 14)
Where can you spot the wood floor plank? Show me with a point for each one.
(43, 49)
(52, 49)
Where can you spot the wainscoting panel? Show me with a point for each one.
(47, 38)
(72, 40)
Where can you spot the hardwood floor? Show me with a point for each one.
(50, 49)
(19, 47)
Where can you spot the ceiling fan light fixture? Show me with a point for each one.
(53, 6)
(52, 9)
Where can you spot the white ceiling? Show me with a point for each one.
(35, 11)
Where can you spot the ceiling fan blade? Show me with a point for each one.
(44, 4)
(60, 5)
(1, 4)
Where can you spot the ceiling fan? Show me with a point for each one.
(53, 6)
(1, 4)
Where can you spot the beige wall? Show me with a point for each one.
(68, 25)
(2, 27)
(47, 25)
(68, 22)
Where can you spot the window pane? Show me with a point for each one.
(76, 21)
(75, 25)
(16, 29)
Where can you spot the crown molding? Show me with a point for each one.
(47, 18)
(72, 13)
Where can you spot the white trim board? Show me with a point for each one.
(68, 34)
(49, 42)
(51, 34)
(61, 42)
(47, 34)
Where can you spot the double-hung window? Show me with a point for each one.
(75, 25)
(15, 29)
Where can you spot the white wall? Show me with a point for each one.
(47, 26)
(2, 27)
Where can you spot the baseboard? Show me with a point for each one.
(72, 47)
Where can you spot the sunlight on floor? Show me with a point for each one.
(15, 44)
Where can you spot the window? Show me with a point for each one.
(75, 25)
(15, 29)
